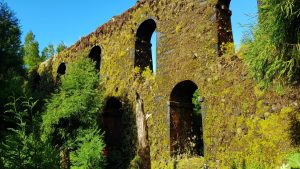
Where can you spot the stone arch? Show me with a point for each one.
(112, 123)
(143, 54)
(95, 55)
(185, 125)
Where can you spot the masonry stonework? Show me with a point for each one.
(241, 123)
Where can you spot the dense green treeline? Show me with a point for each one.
(18, 61)
(66, 129)
(11, 69)
(50, 128)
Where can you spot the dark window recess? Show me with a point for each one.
(112, 123)
(143, 54)
(185, 125)
(61, 70)
(36, 80)
(95, 55)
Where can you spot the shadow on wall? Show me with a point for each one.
(120, 133)
(295, 129)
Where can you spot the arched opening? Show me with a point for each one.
(143, 46)
(112, 124)
(185, 124)
(61, 70)
(95, 55)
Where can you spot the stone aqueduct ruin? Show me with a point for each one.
(190, 35)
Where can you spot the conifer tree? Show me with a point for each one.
(31, 52)
(11, 70)
(47, 52)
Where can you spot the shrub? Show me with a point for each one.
(70, 117)
(90, 145)
(22, 147)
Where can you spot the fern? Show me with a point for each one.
(22, 148)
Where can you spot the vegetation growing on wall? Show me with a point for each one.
(243, 126)
(274, 51)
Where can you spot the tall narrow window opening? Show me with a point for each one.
(153, 50)
(143, 46)
(95, 55)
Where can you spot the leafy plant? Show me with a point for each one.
(90, 145)
(11, 61)
(70, 121)
(274, 51)
(294, 160)
(77, 96)
(196, 101)
(22, 148)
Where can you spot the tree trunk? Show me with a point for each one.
(142, 130)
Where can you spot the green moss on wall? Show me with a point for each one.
(243, 125)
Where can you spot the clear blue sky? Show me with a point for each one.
(53, 21)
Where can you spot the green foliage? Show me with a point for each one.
(90, 145)
(11, 84)
(31, 51)
(196, 101)
(294, 160)
(71, 113)
(274, 52)
(61, 47)
(77, 96)
(136, 162)
(10, 44)
(10, 58)
(47, 52)
(22, 148)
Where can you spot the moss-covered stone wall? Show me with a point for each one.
(243, 126)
